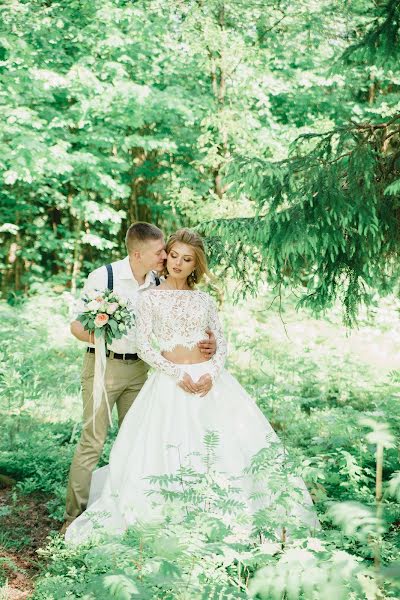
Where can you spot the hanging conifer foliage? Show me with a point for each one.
(326, 219)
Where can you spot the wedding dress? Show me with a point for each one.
(166, 426)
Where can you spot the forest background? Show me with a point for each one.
(272, 127)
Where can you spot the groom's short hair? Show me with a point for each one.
(141, 232)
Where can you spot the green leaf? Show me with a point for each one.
(120, 587)
(114, 325)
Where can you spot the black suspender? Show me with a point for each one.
(110, 277)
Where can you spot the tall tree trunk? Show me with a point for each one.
(372, 89)
(7, 272)
(55, 221)
(77, 257)
(76, 267)
(218, 83)
(13, 261)
(15, 258)
(139, 156)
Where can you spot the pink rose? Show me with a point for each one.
(112, 307)
(101, 319)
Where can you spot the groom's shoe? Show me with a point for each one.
(65, 526)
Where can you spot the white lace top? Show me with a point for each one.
(177, 317)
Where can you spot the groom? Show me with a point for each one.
(125, 372)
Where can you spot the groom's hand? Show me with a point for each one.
(81, 333)
(208, 347)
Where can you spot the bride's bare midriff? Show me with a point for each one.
(184, 356)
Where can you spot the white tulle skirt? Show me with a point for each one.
(164, 429)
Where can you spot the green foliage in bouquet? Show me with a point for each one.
(106, 314)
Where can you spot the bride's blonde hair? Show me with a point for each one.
(193, 239)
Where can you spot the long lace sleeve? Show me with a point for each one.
(144, 333)
(217, 362)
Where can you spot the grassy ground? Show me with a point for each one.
(312, 378)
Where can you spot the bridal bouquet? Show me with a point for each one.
(109, 317)
(106, 314)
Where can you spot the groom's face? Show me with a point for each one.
(153, 255)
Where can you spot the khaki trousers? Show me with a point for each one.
(123, 381)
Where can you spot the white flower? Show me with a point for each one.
(92, 295)
(92, 305)
(112, 307)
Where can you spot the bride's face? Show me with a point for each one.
(181, 261)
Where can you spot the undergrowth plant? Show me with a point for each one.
(315, 397)
(205, 544)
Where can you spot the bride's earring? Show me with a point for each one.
(193, 276)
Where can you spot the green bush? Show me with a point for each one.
(314, 392)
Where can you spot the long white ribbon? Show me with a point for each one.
(99, 387)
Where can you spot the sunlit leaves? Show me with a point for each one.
(300, 574)
(119, 105)
(356, 520)
(322, 222)
(380, 434)
(120, 587)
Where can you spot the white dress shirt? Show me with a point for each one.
(125, 285)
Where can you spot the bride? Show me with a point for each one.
(166, 423)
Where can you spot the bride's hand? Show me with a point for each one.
(188, 385)
(204, 384)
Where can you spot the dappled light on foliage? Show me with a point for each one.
(313, 395)
(272, 128)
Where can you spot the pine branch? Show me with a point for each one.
(323, 222)
(382, 40)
